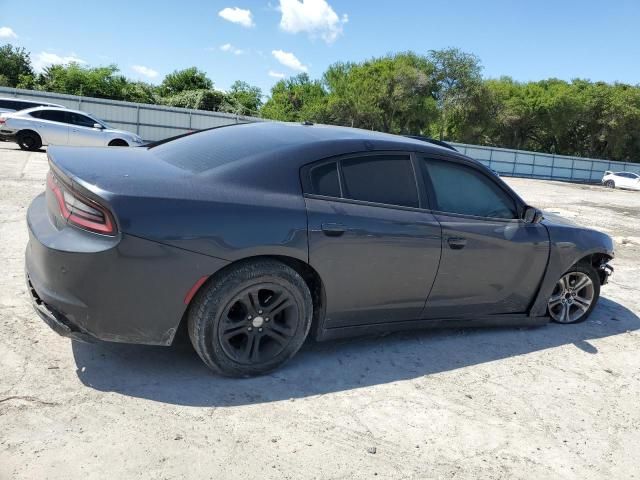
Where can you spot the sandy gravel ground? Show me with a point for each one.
(550, 402)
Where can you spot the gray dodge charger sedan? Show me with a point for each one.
(254, 237)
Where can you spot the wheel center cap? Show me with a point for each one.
(257, 322)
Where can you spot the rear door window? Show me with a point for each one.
(54, 115)
(387, 179)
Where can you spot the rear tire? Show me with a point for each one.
(610, 184)
(30, 141)
(251, 319)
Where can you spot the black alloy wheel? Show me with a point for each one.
(250, 318)
(258, 324)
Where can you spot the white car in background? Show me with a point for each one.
(627, 180)
(10, 104)
(35, 127)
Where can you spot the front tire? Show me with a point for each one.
(118, 142)
(30, 141)
(575, 295)
(610, 184)
(251, 319)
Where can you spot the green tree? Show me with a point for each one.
(15, 65)
(184, 80)
(197, 99)
(296, 99)
(139, 92)
(75, 79)
(457, 75)
(391, 93)
(243, 99)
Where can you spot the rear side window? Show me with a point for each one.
(465, 190)
(324, 180)
(382, 179)
(53, 115)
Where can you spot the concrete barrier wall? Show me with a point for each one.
(151, 122)
(520, 163)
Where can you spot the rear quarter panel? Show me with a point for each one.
(260, 224)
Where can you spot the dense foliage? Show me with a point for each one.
(189, 88)
(15, 66)
(441, 94)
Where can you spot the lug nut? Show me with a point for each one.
(260, 312)
(249, 317)
(259, 329)
(250, 329)
(266, 319)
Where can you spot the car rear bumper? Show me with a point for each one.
(56, 320)
(122, 289)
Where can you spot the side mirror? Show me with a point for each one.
(532, 215)
(98, 126)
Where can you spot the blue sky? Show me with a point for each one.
(258, 41)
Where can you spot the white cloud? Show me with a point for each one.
(7, 32)
(144, 71)
(45, 59)
(227, 47)
(288, 59)
(237, 15)
(316, 17)
(276, 74)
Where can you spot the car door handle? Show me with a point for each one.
(333, 229)
(457, 243)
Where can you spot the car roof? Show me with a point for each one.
(434, 141)
(306, 133)
(46, 107)
(284, 144)
(274, 149)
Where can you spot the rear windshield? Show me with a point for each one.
(209, 149)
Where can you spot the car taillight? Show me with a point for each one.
(79, 210)
(3, 121)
